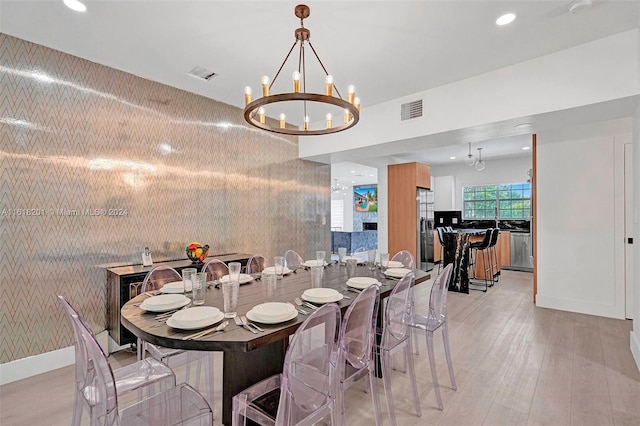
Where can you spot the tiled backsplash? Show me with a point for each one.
(96, 164)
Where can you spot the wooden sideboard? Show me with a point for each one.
(124, 283)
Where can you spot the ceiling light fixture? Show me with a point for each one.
(505, 19)
(525, 148)
(255, 113)
(480, 165)
(75, 5)
(470, 160)
(335, 188)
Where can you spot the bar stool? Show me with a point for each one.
(440, 230)
(494, 240)
(484, 248)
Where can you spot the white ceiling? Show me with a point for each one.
(387, 49)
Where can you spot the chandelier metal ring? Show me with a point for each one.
(250, 112)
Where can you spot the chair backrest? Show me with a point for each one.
(215, 269)
(486, 241)
(83, 367)
(102, 391)
(398, 311)
(438, 296)
(448, 229)
(440, 231)
(309, 368)
(406, 258)
(292, 259)
(159, 276)
(256, 263)
(494, 237)
(358, 329)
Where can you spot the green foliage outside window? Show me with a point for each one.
(511, 201)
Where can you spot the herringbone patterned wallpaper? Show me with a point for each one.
(96, 164)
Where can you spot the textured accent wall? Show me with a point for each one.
(96, 164)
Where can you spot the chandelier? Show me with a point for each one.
(480, 164)
(335, 188)
(255, 112)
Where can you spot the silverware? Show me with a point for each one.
(300, 310)
(245, 321)
(239, 322)
(166, 315)
(203, 333)
(299, 302)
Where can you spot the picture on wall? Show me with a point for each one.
(366, 198)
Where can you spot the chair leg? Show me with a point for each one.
(447, 353)
(434, 372)
(375, 397)
(77, 410)
(412, 376)
(386, 380)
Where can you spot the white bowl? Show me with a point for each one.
(195, 315)
(273, 311)
(176, 287)
(397, 272)
(361, 282)
(324, 294)
(164, 300)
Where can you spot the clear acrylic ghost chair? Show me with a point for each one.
(355, 346)
(293, 260)
(395, 338)
(434, 320)
(176, 405)
(215, 270)
(304, 393)
(406, 258)
(360, 253)
(154, 280)
(256, 264)
(148, 375)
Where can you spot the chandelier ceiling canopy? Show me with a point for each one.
(341, 114)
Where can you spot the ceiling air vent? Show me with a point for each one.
(411, 110)
(202, 73)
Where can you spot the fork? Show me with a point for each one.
(299, 302)
(300, 310)
(239, 323)
(245, 321)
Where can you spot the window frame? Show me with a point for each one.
(497, 198)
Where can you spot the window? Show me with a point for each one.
(337, 215)
(509, 201)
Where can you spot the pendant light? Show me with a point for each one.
(470, 160)
(480, 163)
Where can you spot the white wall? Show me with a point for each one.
(507, 170)
(444, 192)
(580, 236)
(348, 207)
(635, 334)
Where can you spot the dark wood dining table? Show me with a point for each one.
(249, 358)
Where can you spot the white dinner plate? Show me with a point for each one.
(360, 261)
(164, 302)
(243, 278)
(397, 272)
(272, 270)
(273, 311)
(362, 282)
(210, 321)
(175, 287)
(321, 295)
(394, 264)
(310, 263)
(252, 317)
(195, 316)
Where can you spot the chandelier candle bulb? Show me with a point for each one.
(247, 95)
(296, 81)
(329, 85)
(265, 86)
(347, 116)
(261, 115)
(351, 91)
(329, 121)
(282, 123)
(306, 122)
(356, 102)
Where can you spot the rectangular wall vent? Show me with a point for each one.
(411, 110)
(202, 73)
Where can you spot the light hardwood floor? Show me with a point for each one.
(514, 363)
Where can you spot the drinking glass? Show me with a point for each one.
(269, 282)
(234, 270)
(199, 285)
(384, 261)
(278, 262)
(316, 276)
(320, 256)
(230, 296)
(371, 254)
(352, 264)
(342, 253)
(187, 280)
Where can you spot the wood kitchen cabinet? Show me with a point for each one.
(404, 180)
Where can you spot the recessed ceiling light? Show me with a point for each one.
(353, 171)
(505, 19)
(371, 175)
(524, 148)
(353, 181)
(522, 125)
(452, 158)
(75, 5)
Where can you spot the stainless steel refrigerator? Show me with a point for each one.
(425, 228)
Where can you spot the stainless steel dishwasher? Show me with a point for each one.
(521, 252)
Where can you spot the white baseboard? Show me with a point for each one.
(580, 306)
(634, 343)
(42, 363)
